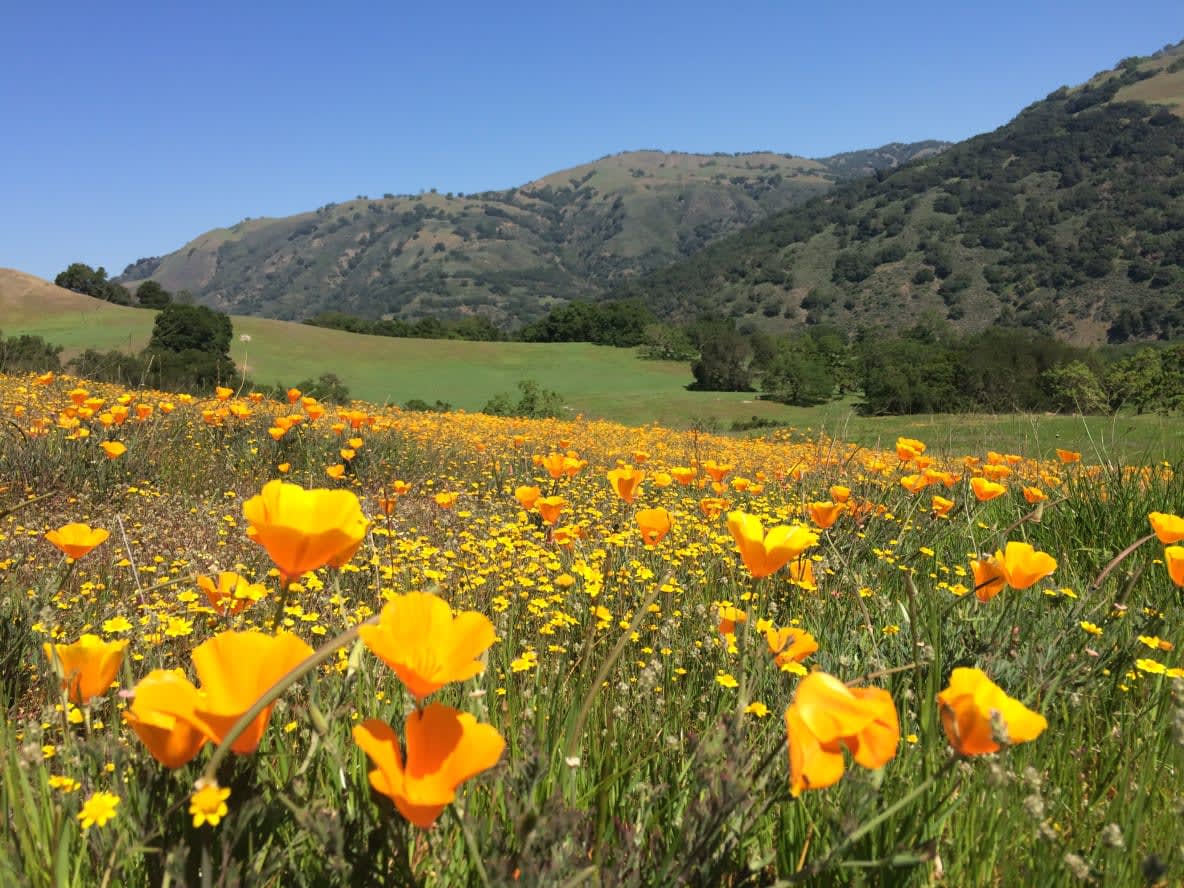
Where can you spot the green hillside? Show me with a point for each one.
(506, 254)
(1068, 220)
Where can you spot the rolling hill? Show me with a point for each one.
(1068, 220)
(508, 254)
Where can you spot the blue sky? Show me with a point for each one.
(130, 128)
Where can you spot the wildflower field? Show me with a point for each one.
(249, 642)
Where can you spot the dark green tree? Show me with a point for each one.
(152, 295)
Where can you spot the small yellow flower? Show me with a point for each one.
(98, 809)
(757, 708)
(1152, 666)
(727, 680)
(1090, 627)
(208, 803)
(65, 784)
(116, 624)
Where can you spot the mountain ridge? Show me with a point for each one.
(506, 254)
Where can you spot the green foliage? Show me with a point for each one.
(1075, 387)
(150, 294)
(476, 328)
(25, 353)
(1149, 381)
(618, 323)
(534, 402)
(724, 362)
(81, 278)
(667, 342)
(181, 328)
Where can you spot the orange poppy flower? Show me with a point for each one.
(790, 645)
(908, 448)
(825, 716)
(527, 496)
(654, 525)
(967, 707)
(1034, 495)
(444, 748)
(446, 499)
(712, 507)
(914, 483)
(801, 574)
(235, 670)
(305, 529)
(625, 481)
(418, 637)
(996, 473)
(766, 553)
(662, 479)
(985, 490)
(1173, 558)
(1018, 566)
(717, 471)
(729, 616)
(550, 507)
(1169, 528)
(825, 514)
(553, 463)
(113, 449)
(162, 716)
(75, 540)
(839, 493)
(119, 414)
(294, 395)
(336, 472)
(989, 578)
(683, 474)
(231, 593)
(87, 667)
(1068, 456)
(942, 506)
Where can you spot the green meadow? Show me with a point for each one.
(594, 381)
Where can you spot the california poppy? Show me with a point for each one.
(1169, 528)
(444, 748)
(230, 593)
(825, 716)
(654, 524)
(235, 670)
(908, 449)
(87, 667)
(765, 553)
(418, 637)
(550, 508)
(985, 490)
(942, 506)
(825, 514)
(625, 481)
(790, 645)
(1173, 558)
(162, 715)
(967, 707)
(113, 449)
(527, 496)
(75, 540)
(1068, 456)
(305, 529)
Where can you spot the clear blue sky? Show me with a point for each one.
(129, 128)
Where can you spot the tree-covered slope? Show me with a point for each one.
(507, 254)
(1069, 219)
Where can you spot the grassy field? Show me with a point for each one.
(604, 676)
(594, 381)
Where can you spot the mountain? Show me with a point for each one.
(1069, 220)
(506, 254)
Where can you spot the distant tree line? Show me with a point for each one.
(81, 278)
(931, 368)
